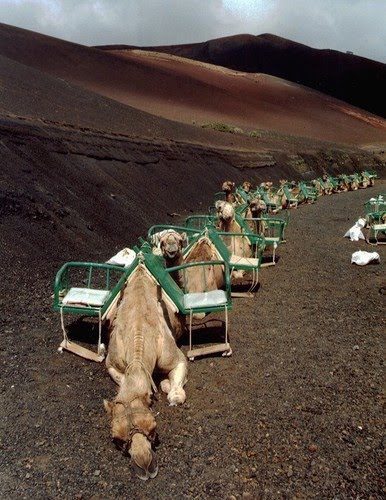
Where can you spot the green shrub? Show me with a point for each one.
(220, 127)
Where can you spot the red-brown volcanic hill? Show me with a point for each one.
(82, 176)
(353, 79)
(189, 92)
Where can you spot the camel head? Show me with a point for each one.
(133, 432)
(228, 186)
(171, 245)
(257, 206)
(267, 186)
(246, 186)
(225, 211)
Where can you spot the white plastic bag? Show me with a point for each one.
(123, 258)
(355, 232)
(361, 258)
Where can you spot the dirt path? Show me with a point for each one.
(295, 412)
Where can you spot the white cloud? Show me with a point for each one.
(355, 25)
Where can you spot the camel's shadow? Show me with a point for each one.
(84, 330)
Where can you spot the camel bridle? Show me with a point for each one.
(150, 436)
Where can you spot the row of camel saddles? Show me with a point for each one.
(289, 194)
(178, 271)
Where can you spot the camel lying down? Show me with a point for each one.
(142, 340)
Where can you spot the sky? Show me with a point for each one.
(358, 26)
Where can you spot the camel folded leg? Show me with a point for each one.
(115, 375)
(177, 378)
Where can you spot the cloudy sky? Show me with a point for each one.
(346, 25)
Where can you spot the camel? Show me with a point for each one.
(349, 182)
(237, 245)
(329, 187)
(296, 192)
(277, 198)
(365, 181)
(344, 183)
(228, 187)
(246, 188)
(203, 250)
(281, 198)
(354, 183)
(197, 279)
(167, 239)
(317, 184)
(226, 217)
(256, 207)
(143, 339)
(334, 188)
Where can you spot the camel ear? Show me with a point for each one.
(184, 239)
(108, 406)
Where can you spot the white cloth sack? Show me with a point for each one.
(355, 232)
(123, 258)
(361, 258)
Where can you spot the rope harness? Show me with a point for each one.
(125, 446)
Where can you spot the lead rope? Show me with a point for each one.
(99, 332)
(226, 324)
(190, 329)
(65, 337)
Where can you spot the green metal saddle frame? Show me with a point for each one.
(270, 204)
(232, 261)
(271, 229)
(98, 298)
(310, 193)
(376, 225)
(376, 218)
(292, 199)
(327, 189)
(189, 303)
(243, 195)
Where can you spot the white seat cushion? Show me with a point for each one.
(205, 299)
(245, 261)
(85, 297)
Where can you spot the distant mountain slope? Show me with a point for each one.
(356, 80)
(187, 93)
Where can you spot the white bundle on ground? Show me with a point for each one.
(123, 258)
(355, 232)
(361, 258)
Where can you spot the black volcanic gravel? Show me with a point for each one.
(295, 412)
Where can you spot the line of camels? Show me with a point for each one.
(147, 324)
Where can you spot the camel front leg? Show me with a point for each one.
(177, 378)
(115, 375)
